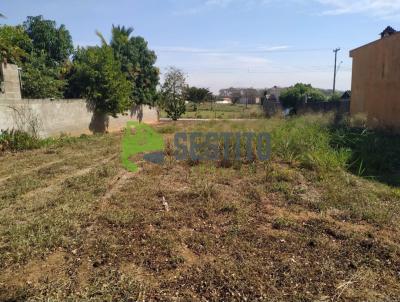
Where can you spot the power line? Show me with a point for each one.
(273, 70)
(218, 51)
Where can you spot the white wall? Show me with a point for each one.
(69, 117)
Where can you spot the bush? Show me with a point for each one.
(307, 140)
(317, 143)
(17, 140)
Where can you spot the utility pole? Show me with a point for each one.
(334, 72)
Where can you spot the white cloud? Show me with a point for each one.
(378, 8)
(273, 48)
(222, 3)
(221, 51)
(207, 5)
(385, 9)
(182, 49)
(212, 59)
(217, 68)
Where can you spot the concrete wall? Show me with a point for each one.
(68, 116)
(10, 83)
(376, 82)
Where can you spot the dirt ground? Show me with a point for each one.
(74, 225)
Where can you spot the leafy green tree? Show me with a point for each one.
(137, 63)
(172, 98)
(99, 75)
(42, 50)
(15, 44)
(198, 95)
(292, 96)
(335, 97)
(40, 80)
(55, 42)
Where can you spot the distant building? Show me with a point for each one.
(376, 80)
(241, 95)
(346, 96)
(274, 94)
(10, 84)
(224, 101)
(249, 100)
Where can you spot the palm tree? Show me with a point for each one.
(2, 16)
(122, 30)
(119, 35)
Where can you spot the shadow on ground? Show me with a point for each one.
(375, 154)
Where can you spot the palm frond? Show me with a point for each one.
(102, 39)
(126, 31)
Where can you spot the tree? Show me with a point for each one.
(137, 63)
(101, 80)
(198, 95)
(173, 93)
(41, 81)
(292, 96)
(15, 44)
(55, 42)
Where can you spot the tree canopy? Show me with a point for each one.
(15, 44)
(299, 93)
(137, 63)
(40, 80)
(55, 42)
(104, 85)
(172, 98)
(198, 95)
(42, 50)
(51, 68)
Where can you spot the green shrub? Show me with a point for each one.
(307, 140)
(17, 140)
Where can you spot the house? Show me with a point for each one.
(346, 96)
(240, 95)
(376, 80)
(249, 100)
(226, 101)
(249, 96)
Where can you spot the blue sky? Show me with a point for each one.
(223, 43)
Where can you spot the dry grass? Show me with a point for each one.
(74, 225)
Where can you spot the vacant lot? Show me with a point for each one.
(222, 111)
(75, 225)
